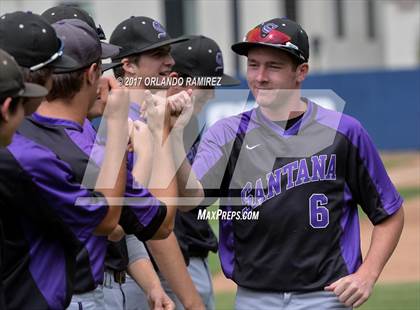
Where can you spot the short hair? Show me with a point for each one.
(119, 71)
(67, 85)
(40, 76)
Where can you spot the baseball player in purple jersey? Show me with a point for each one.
(45, 227)
(64, 114)
(12, 91)
(304, 169)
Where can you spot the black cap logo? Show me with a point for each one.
(219, 61)
(267, 28)
(159, 28)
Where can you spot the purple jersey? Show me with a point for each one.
(306, 182)
(43, 227)
(141, 219)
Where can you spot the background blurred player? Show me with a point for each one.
(34, 44)
(198, 57)
(12, 91)
(145, 54)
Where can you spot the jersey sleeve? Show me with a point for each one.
(136, 249)
(59, 197)
(210, 164)
(368, 180)
(142, 213)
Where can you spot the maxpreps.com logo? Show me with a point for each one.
(227, 215)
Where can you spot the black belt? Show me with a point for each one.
(119, 276)
(198, 253)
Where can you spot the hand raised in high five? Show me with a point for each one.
(117, 101)
(156, 113)
(181, 108)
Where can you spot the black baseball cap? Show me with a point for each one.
(82, 43)
(200, 56)
(11, 80)
(281, 33)
(57, 13)
(139, 34)
(32, 42)
(60, 12)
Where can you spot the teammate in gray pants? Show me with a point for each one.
(130, 295)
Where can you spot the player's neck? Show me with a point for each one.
(74, 109)
(291, 108)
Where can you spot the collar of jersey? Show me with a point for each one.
(290, 132)
(68, 124)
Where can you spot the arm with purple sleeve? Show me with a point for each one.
(371, 188)
(52, 182)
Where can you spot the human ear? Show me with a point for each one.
(4, 110)
(92, 73)
(302, 71)
(128, 67)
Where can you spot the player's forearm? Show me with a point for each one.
(114, 163)
(174, 270)
(144, 274)
(188, 185)
(142, 141)
(385, 237)
(114, 197)
(163, 184)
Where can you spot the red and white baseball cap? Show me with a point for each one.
(281, 33)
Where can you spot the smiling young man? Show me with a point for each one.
(304, 169)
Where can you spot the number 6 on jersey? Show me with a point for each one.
(319, 215)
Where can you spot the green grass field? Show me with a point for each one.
(385, 297)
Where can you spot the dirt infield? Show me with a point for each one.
(404, 265)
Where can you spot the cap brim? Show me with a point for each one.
(64, 62)
(34, 90)
(110, 65)
(109, 50)
(151, 47)
(228, 80)
(242, 48)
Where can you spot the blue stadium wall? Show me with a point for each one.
(387, 103)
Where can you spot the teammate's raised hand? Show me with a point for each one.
(181, 106)
(156, 112)
(117, 101)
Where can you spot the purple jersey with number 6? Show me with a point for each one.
(306, 182)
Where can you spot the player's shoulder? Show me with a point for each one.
(30, 154)
(343, 123)
(226, 129)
